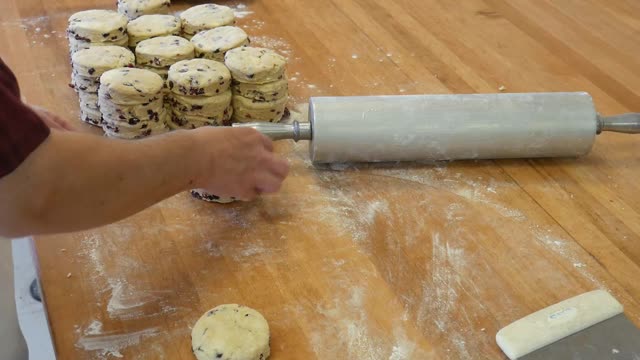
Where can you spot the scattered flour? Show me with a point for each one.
(110, 345)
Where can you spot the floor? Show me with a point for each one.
(31, 315)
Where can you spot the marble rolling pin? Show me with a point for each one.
(450, 127)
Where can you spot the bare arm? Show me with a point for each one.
(77, 181)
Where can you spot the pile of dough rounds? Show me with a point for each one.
(207, 73)
(259, 84)
(131, 103)
(96, 28)
(87, 66)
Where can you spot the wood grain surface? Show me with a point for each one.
(394, 261)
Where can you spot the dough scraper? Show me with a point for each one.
(591, 326)
(450, 127)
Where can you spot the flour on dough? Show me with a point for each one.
(231, 332)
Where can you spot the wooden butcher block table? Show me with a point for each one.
(395, 261)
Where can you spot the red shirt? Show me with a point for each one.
(21, 130)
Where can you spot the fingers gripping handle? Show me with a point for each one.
(295, 131)
(624, 123)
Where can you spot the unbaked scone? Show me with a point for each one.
(255, 65)
(184, 121)
(86, 84)
(90, 116)
(150, 26)
(133, 9)
(201, 105)
(94, 61)
(97, 26)
(231, 332)
(213, 44)
(163, 51)
(130, 86)
(249, 110)
(199, 77)
(205, 17)
(76, 45)
(88, 100)
(262, 92)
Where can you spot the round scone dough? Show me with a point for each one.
(163, 51)
(231, 332)
(255, 65)
(201, 105)
(186, 121)
(199, 77)
(249, 110)
(97, 26)
(150, 26)
(94, 61)
(205, 17)
(133, 9)
(92, 117)
(213, 44)
(129, 86)
(77, 45)
(85, 84)
(262, 92)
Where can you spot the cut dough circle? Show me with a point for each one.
(213, 44)
(133, 9)
(97, 26)
(255, 65)
(231, 332)
(130, 86)
(262, 92)
(199, 77)
(150, 26)
(249, 110)
(163, 51)
(95, 61)
(205, 17)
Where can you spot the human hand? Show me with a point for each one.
(240, 163)
(52, 120)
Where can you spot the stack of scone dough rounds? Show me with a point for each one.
(213, 44)
(205, 17)
(87, 66)
(131, 103)
(159, 53)
(96, 28)
(133, 9)
(151, 26)
(259, 84)
(200, 96)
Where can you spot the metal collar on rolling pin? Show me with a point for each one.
(624, 123)
(450, 127)
(295, 131)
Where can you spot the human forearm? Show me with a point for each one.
(77, 181)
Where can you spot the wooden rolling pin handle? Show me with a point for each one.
(624, 123)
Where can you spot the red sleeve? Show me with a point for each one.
(21, 130)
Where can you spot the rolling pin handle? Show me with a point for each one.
(624, 123)
(295, 131)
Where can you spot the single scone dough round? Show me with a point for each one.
(213, 44)
(205, 17)
(150, 26)
(255, 65)
(163, 51)
(231, 332)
